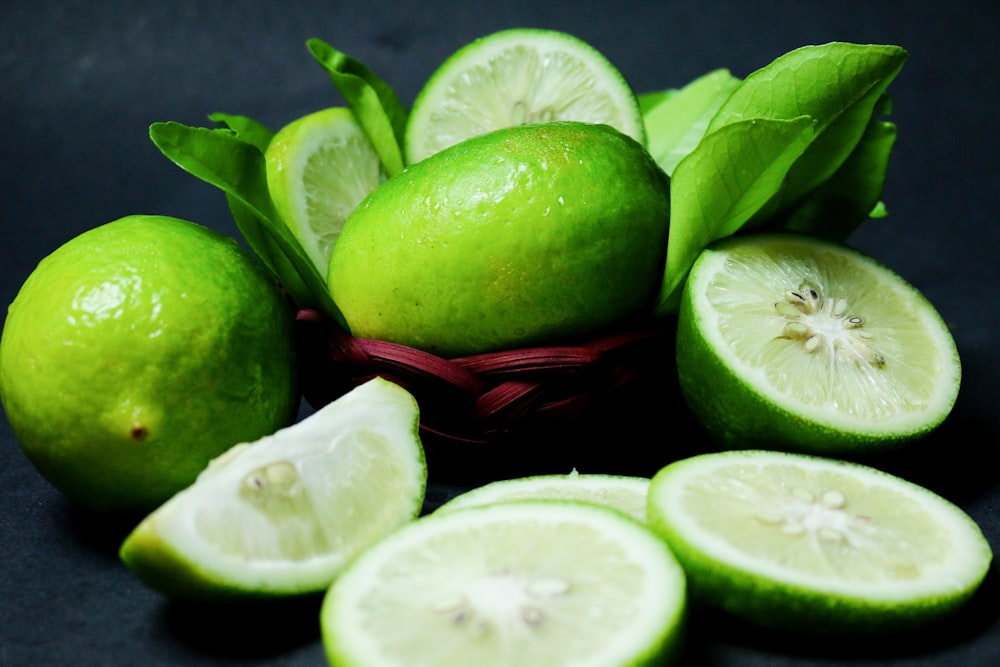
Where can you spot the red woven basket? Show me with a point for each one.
(594, 405)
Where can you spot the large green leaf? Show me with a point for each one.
(379, 111)
(650, 100)
(719, 186)
(236, 166)
(852, 195)
(246, 128)
(837, 84)
(252, 228)
(677, 123)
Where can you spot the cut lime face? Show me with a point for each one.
(790, 342)
(814, 544)
(514, 77)
(319, 168)
(539, 583)
(283, 515)
(623, 493)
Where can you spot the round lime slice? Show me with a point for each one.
(319, 168)
(518, 76)
(534, 582)
(623, 493)
(283, 515)
(791, 342)
(816, 545)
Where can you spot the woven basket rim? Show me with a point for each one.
(476, 399)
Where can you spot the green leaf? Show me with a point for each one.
(733, 173)
(271, 253)
(676, 125)
(379, 111)
(841, 203)
(650, 100)
(252, 228)
(235, 166)
(247, 129)
(838, 84)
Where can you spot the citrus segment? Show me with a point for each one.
(284, 514)
(318, 168)
(540, 583)
(814, 544)
(625, 494)
(790, 342)
(519, 76)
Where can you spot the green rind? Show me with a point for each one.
(783, 605)
(161, 567)
(738, 415)
(151, 323)
(543, 251)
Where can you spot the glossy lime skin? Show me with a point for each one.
(139, 350)
(522, 236)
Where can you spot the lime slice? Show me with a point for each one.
(623, 493)
(517, 76)
(816, 545)
(319, 168)
(790, 342)
(284, 514)
(535, 582)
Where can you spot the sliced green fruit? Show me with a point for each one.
(816, 545)
(791, 342)
(319, 168)
(518, 76)
(283, 515)
(535, 582)
(623, 493)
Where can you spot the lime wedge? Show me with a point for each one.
(789, 342)
(283, 515)
(535, 582)
(517, 76)
(319, 168)
(816, 545)
(623, 493)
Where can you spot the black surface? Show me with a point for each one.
(82, 81)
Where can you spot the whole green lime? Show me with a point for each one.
(138, 351)
(524, 235)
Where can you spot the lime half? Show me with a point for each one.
(284, 514)
(319, 167)
(535, 582)
(518, 76)
(816, 545)
(623, 493)
(790, 342)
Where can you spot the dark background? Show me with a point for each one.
(82, 81)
